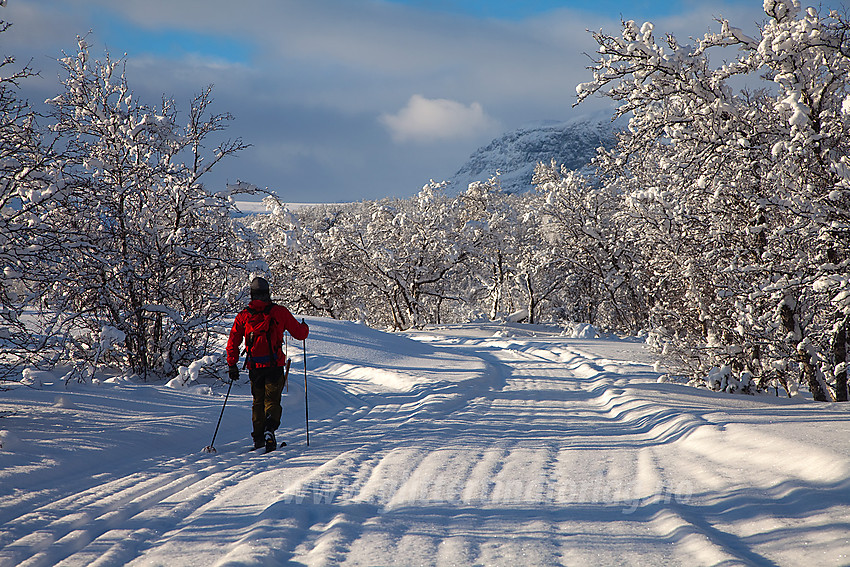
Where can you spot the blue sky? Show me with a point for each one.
(350, 100)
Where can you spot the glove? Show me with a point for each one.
(233, 373)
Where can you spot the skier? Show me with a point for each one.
(262, 325)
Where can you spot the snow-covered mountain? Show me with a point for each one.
(515, 154)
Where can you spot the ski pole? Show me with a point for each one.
(209, 448)
(306, 405)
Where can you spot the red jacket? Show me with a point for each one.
(283, 321)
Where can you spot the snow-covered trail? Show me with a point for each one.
(459, 448)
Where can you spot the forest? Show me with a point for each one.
(718, 228)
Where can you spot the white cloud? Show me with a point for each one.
(429, 120)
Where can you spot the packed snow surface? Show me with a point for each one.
(464, 445)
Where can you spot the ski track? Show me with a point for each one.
(553, 454)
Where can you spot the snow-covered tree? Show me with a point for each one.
(581, 222)
(30, 187)
(489, 222)
(399, 254)
(407, 262)
(384, 262)
(151, 258)
(739, 199)
(306, 276)
(808, 56)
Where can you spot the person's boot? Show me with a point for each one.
(271, 444)
(259, 440)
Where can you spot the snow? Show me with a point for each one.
(491, 444)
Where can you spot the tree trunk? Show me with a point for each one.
(839, 358)
(818, 393)
(532, 299)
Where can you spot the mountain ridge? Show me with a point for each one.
(515, 154)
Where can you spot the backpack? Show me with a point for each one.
(258, 338)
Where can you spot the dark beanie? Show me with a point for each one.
(260, 289)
